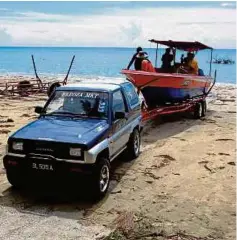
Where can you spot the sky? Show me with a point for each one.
(116, 24)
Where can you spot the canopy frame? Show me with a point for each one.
(185, 46)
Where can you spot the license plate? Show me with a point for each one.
(39, 166)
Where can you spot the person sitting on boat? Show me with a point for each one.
(166, 59)
(137, 62)
(146, 64)
(192, 64)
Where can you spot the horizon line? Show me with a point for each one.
(92, 47)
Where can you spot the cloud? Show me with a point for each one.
(124, 27)
(5, 38)
(228, 4)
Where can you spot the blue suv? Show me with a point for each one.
(80, 130)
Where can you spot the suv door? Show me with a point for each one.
(119, 131)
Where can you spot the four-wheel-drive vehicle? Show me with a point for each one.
(80, 130)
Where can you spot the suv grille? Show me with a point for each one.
(55, 149)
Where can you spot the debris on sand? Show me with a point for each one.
(167, 157)
(209, 169)
(6, 126)
(224, 154)
(4, 131)
(128, 228)
(115, 192)
(10, 120)
(148, 172)
(203, 162)
(25, 115)
(125, 223)
(224, 139)
(177, 174)
(211, 154)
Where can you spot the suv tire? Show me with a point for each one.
(101, 178)
(14, 179)
(134, 143)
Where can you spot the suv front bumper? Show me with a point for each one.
(32, 168)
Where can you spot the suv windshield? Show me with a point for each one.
(79, 104)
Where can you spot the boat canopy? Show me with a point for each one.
(185, 46)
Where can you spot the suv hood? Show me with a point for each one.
(80, 131)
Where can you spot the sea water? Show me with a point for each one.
(92, 62)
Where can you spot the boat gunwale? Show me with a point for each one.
(173, 75)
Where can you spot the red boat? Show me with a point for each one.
(173, 92)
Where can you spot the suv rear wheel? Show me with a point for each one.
(134, 144)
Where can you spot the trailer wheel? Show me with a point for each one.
(204, 108)
(198, 110)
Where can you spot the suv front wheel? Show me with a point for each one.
(101, 178)
(14, 179)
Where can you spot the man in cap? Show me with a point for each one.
(146, 64)
(137, 65)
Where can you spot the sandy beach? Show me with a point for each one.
(182, 186)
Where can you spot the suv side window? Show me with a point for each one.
(131, 94)
(118, 102)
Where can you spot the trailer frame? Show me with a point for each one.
(32, 86)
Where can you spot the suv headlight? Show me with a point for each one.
(18, 146)
(76, 152)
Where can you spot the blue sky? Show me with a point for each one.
(120, 24)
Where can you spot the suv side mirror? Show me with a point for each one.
(119, 115)
(38, 110)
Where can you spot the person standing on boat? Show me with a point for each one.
(146, 64)
(137, 61)
(166, 59)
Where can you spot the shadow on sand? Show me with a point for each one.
(73, 201)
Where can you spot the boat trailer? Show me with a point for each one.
(197, 105)
(33, 86)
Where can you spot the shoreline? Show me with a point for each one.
(48, 76)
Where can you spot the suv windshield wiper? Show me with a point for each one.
(71, 114)
(65, 113)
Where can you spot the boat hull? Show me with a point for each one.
(160, 96)
(162, 88)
